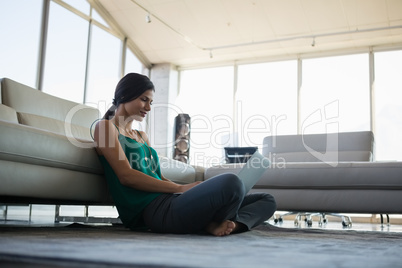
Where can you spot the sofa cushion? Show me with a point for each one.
(27, 100)
(355, 187)
(327, 157)
(54, 125)
(177, 171)
(30, 145)
(371, 201)
(8, 114)
(331, 147)
(323, 176)
(51, 185)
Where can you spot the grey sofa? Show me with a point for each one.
(327, 173)
(47, 155)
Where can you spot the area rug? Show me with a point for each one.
(264, 246)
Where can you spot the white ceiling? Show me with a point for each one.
(187, 32)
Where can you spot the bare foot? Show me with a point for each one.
(221, 229)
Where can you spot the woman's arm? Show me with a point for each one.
(108, 145)
(145, 138)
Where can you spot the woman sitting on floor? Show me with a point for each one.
(145, 199)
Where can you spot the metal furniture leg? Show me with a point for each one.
(382, 220)
(346, 220)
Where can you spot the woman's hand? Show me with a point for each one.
(187, 187)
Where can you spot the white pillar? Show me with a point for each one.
(161, 123)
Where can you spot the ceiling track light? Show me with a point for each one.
(148, 18)
(304, 37)
(210, 54)
(268, 41)
(186, 38)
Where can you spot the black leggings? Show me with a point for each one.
(214, 200)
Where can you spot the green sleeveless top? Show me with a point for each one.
(131, 202)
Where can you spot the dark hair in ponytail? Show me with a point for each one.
(130, 87)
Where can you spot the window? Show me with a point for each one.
(266, 101)
(335, 94)
(82, 6)
(388, 107)
(20, 23)
(133, 65)
(103, 73)
(98, 18)
(207, 96)
(66, 52)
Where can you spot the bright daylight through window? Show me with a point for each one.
(207, 96)
(235, 105)
(22, 28)
(335, 94)
(65, 72)
(266, 101)
(388, 92)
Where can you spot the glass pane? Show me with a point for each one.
(66, 54)
(20, 23)
(335, 95)
(133, 65)
(98, 18)
(103, 73)
(81, 5)
(207, 96)
(388, 107)
(267, 101)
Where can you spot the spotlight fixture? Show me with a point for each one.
(210, 54)
(267, 41)
(148, 18)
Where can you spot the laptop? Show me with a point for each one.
(252, 171)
